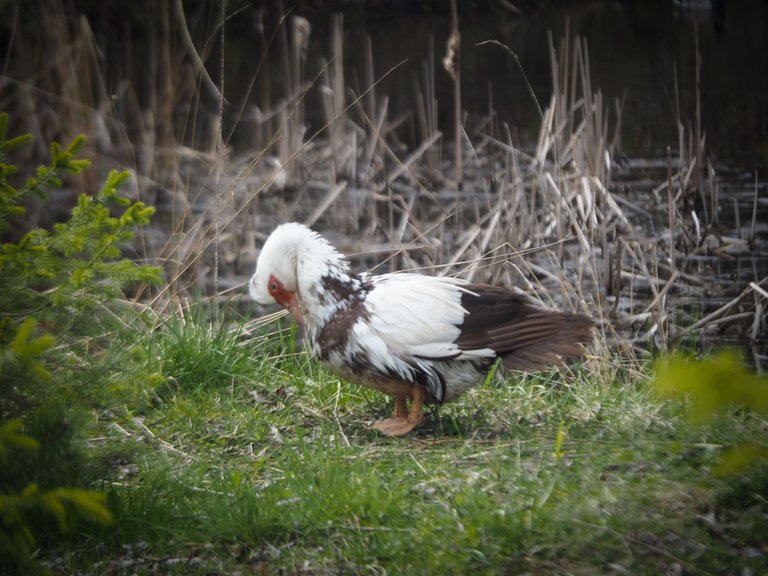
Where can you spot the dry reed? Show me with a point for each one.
(550, 219)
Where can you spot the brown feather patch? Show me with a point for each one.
(524, 335)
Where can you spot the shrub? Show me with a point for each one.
(60, 304)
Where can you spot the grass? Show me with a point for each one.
(249, 458)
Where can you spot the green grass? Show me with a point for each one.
(247, 457)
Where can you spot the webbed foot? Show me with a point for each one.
(395, 426)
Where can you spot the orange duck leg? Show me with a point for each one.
(404, 421)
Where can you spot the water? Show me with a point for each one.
(638, 50)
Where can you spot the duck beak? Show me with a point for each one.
(292, 305)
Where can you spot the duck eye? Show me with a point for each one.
(273, 286)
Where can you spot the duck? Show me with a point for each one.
(418, 338)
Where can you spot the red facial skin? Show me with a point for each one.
(285, 298)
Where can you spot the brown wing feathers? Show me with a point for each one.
(525, 336)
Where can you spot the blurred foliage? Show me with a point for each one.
(27, 506)
(717, 386)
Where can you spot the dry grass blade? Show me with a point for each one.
(717, 314)
(326, 203)
(506, 48)
(404, 166)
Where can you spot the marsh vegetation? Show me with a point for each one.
(170, 426)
